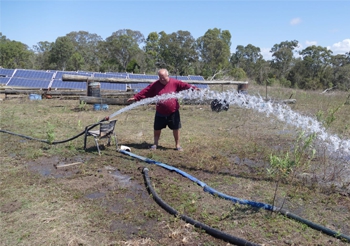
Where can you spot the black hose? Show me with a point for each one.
(315, 226)
(56, 142)
(42, 140)
(211, 231)
(268, 207)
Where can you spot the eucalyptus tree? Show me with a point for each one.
(42, 55)
(124, 45)
(283, 56)
(237, 58)
(61, 51)
(214, 51)
(313, 70)
(152, 53)
(76, 62)
(250, 60)
(86, 45)
(177, 52)
(317, 61)
(341, 71)
(14, 54)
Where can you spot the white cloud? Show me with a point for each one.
(295, 21)
(341, 47)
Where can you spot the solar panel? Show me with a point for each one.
(142, 76)
(7, 72)
(111, 75)
(33, 83)
(178, 77)
(113, 86)
(195, 77)
(87, 73)
(59, 84)
(33, 74)
(118, 74)
(138, 86)
(4, 80)
(41, 79)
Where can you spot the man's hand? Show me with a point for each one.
(131, 99)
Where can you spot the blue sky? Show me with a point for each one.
(260, 23)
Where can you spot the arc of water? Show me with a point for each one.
(282, 112)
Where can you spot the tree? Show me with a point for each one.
(250, 60)
(123, 46)
(61, 52)
(341, 71)
(75, 62)
(214, 51)
(177, 52)
(42, 55)
(283, 57)
(86, 44)
(317, 61)
(14, 54)
(151, 50)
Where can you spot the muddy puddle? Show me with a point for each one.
(99, 186)
(56, 167)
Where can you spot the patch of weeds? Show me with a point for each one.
(82, 105)
(50, 133)
(330, 117)
(286, 168)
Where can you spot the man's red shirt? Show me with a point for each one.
(164, 107)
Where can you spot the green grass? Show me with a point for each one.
(229, 151)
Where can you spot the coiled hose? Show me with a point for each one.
(211, 231)
(268, 207)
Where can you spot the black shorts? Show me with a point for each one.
(172, 121)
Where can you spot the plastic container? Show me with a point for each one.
(97, 107)
(104, 107)
(34, 97)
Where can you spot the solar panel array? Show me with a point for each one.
(27, 82)
(4, 80)
(40, 79)
(6, 72)
(34, 74)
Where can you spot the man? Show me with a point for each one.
(167, 111)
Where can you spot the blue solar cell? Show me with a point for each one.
(113, 86)
(142, 76)
(33, 83)
(7, 72)
(59, 84)
(138, 86)
(84, 72)
(118, 74)
(41, 79)
(33, 74)
(195, 77)
(110, 75)
(179, 77)
(4, 80)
